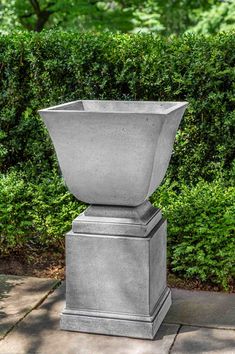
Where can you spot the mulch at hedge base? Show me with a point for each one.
(51, 264)
(42, 264)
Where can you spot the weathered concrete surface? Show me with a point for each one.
(56, 301)
(122, 289)
(18, 295)
(194, 340)
(113, 152)
(39, 333)
(202, 308)
(119, 221)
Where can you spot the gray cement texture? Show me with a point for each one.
(36, 329)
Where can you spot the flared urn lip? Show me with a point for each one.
(113, 152)
(161, 107)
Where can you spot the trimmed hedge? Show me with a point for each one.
(201, 229)
(39, 70)
(36, 214)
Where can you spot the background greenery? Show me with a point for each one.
(198, 195)
(53, 67)
(200, 219)
(166, 17)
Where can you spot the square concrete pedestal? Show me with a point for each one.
(116, 272)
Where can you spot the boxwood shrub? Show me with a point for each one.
(34, 213)
(39, 70)
(201, 229)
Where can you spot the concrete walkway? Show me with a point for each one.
(198, 323)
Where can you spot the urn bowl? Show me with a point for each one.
(113, 152)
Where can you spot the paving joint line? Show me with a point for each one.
(174, 340)
(201, 326)
(54, 287)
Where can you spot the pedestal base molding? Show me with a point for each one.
(114, 324)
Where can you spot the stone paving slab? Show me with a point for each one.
(18, 296)
(56, 301)
(203, 309)
(39, 333)
(195, 340)
(196, 308)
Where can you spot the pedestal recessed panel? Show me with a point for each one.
(104, 274)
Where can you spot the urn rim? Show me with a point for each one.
(162, 107)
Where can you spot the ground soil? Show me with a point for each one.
(43, 264)
(51, 264)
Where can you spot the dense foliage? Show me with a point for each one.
(219, 17)
(166, 17)
(35, 214)
(201, 229)
(40, 70)
(50, 68)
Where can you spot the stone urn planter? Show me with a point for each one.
(113, 155)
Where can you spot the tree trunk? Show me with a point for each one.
(42, 18)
